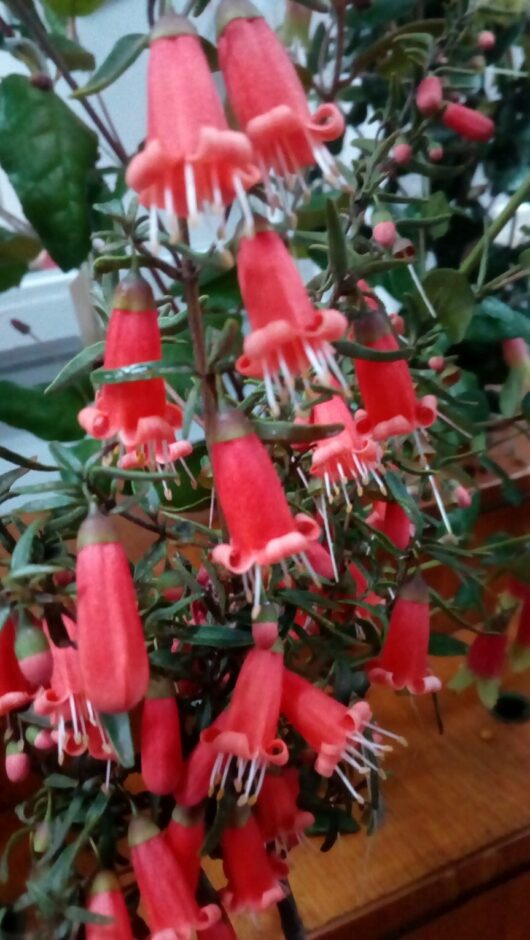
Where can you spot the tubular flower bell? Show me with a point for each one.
(192, 161)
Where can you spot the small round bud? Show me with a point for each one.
(437, 363)
(486, 40)
(17, 763)
(402, 154)
(436, 153)
(385, 234)
(462, 497)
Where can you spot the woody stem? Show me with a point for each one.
(292, 926)
(522, 194)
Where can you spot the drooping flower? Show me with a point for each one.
(386, 388)
(33, 654)
(289, 335)
(468, 123)
(345, 456)
(268, 99)
(484, 665)
(253, 883)
(402, 663)
(106, 899)
(17, 763)
(391, 519)
(171, 909)
(185, 834)
(334, 731)
(112, 653)
(277, 813)
(249, 737)
(194, 783)
(192, 161)
(135, 411)
(161, 751)
(262, 529)
(15, 691)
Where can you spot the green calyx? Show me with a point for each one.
(13, 748)
(97, 529)
(415, 590)
(134, 294)
(104, 882)
(160, 687)
(171, 25)
(187, 816)
(268, 614)
(230, 425)
(234, 10)
(141, 830)
(29, 641)
(371, 326)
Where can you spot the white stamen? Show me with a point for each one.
(344, 482)
(191, 192)
(328, 487)
(212, 508)
(387, 734)
(242, 198)
(154, 244)
(369, 745)
(315, 362)
(269, 392)
(171, 216)
(60, 741)
(224, 777)
(421, 292)
(434, 486)
(190, 474)
(379, 481)
(257, 592)
(327, 530)
(288, 379)
(106, 785)
(360, 768)
(311, 571)
(216, 191)
(349, 786)
(243, 799)
(215, 772)
(332, 363)
(303, 477)
(73, 712)
(353, 754)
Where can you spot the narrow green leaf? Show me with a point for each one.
(77, 368)
(138, 371)
(10, 844)
(347, 347)
(125, 51)
(76, 57)
(22, 553)
(118, 728)
(275, 432)
(48, 153)
(452, 299)
(222, 637)
(445, 644)
(59, 782)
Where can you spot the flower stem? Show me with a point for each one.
(292, 925)
(472, 259)
(195, 320)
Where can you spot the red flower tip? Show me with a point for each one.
(161, 751)
(473, 125)
(265, 627)
(429, 96)
(279, 818)
(17, 763)
(403, 660)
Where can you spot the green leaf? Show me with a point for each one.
(16, 251)
(33, 571)
(139, 371)
(125, 51)
(48, 153)
(76, 58)
(77, 368)
(445, 644)
(22, 553)
(48, 417)
(488, 691)
(16, 836)
(224, 637)
(402, 496)
(118, 728)
(60, 782)
(276, 432)
(347, 347)
(494, 321)
(452, 299)
(511, 392)
(74, 7)
(525, 405)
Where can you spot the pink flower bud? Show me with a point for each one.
(398, 323)
(429, 96)
(462, 497)
(473, 125)
(402, 154)
(384, 233)
(17, 763)
(436, 153)
(437, 363)
(515, 352)
(40, 738)
(486, 40)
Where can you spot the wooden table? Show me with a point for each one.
(455, 840)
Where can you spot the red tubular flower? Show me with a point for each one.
(484, 666)
(17, 762)
(288, 333)
(161, 750)
(261, 526)
(250, 732)
(268, 98)
(402, 663)
(386, 388)
(194, 783)
(112, 653)
(106, 899)
(15, 691)
(391, 519)
(361, 591)
(222, 930)
(136, 411)
(429, 94)
(172, 912)
(345, 456)
(191, 159)
(473, 125)
(33, 654)
(185, 835)
(333, 730)
(253, 884)
(277, 813)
